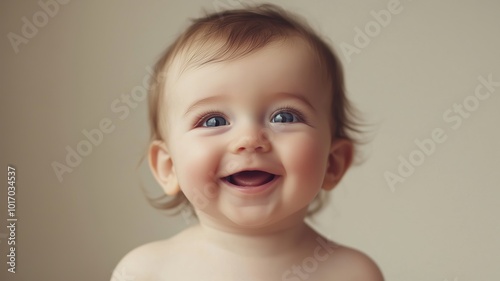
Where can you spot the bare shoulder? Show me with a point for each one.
(141, 263)
(351, 264)
(149, 261)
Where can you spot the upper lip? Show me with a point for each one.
(253, 168)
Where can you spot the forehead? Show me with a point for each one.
(287, 66)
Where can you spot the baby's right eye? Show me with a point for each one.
(214, 121)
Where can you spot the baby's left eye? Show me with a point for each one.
(285, 117)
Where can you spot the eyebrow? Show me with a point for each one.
(294, 96)
(278, 95)
(204, 101)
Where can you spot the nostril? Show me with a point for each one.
(251, 143)
(253, 148)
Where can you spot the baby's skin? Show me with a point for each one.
(249, 142)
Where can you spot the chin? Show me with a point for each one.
(257, 218)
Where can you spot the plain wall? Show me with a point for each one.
(440, 223)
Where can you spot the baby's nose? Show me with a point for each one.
(253, 141)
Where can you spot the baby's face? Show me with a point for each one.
(250, 139)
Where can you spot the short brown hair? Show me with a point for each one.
(232, 34)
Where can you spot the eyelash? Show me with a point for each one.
(292, 110)
(202, 117)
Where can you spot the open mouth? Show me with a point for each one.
(250, 178)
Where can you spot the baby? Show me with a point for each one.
(249, 122)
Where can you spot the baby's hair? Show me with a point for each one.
(233, 34)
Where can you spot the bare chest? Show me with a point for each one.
(222, 268)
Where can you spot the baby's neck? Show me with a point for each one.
(267, 242)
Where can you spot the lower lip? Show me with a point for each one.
(253, 190)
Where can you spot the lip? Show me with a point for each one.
(253, 190)
(263, 168)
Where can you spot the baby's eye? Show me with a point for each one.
(214, 121)
(285, 117)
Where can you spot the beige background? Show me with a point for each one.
(441, 223)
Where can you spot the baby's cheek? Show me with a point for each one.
(308, 160)
(196, 173)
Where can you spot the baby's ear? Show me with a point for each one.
(339, 160)
(162, 167)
